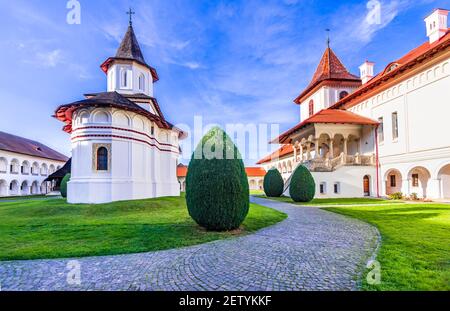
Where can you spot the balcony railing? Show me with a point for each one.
(328, 165)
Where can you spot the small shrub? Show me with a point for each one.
(302, 187)
(396, 196)
(414, 196)
(63, 186)
(217, 192)
(273, 183)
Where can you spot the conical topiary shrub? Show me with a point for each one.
(273, 183)
(63, 186)
(217, 192)
(302, 187)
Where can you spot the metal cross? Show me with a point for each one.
(328, 36)
(131, 13)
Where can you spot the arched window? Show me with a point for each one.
(102, 159)
(343, 94)
(142, 82)
(311, 107)
(124, 78)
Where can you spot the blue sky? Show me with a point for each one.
(227, 61)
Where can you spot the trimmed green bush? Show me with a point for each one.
(217, 192)
(273, 183)
(63, 186)
(302, 187)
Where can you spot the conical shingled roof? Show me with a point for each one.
(329, 68)
(129, 48)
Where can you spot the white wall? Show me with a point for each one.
(350, 179)
(421, 101)
(323, 98)
(134, 71)
(30, 179)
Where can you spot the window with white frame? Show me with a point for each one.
(394, 125)
(142, 82)
(337, 187)
(323, 188)
(380, 130)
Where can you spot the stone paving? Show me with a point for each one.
(311, 250)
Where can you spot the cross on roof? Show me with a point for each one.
(131, 13)
(328, 36)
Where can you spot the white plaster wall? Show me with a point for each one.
(324, 97)
(421, 102)
(350, 179)
(141, 165)
(6, 177)
(135, 70)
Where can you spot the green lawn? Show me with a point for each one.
(337, 201)
(28, 197)
(415, 249)
(33, 229)
(254, 192)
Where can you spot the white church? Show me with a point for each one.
(123, 148)
(374, 135)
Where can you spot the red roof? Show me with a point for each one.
(283, 151)
(255, 171)
(327, 116)
(250, 171)
(330, 68)
(182, 170)
(406, 62)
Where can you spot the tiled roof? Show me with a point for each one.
(406, 62)
(106, 99)
(250, 171)
(182, 170)
(129, 50)
(327, 116)
(255, 171)
(283, 151)
(330, 68)
(63, 171)
(17, 144)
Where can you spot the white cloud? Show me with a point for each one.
(49, 58)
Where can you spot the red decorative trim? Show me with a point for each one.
(122, 129)
(124, 137)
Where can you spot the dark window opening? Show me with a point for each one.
(343, 94)
(393, 181)
(102, 159)
(415, 180)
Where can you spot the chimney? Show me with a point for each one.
(366, 71)
(436, 24)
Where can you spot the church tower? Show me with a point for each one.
(127, 72)
(123, 148)
(330, 83)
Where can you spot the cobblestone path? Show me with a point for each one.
(311, 250)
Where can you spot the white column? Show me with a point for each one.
(331, 145)
(345, 146)
(405, 187)
(316, 148)
(433, 189)
(295, 152)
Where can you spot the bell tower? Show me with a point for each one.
(127, 72)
